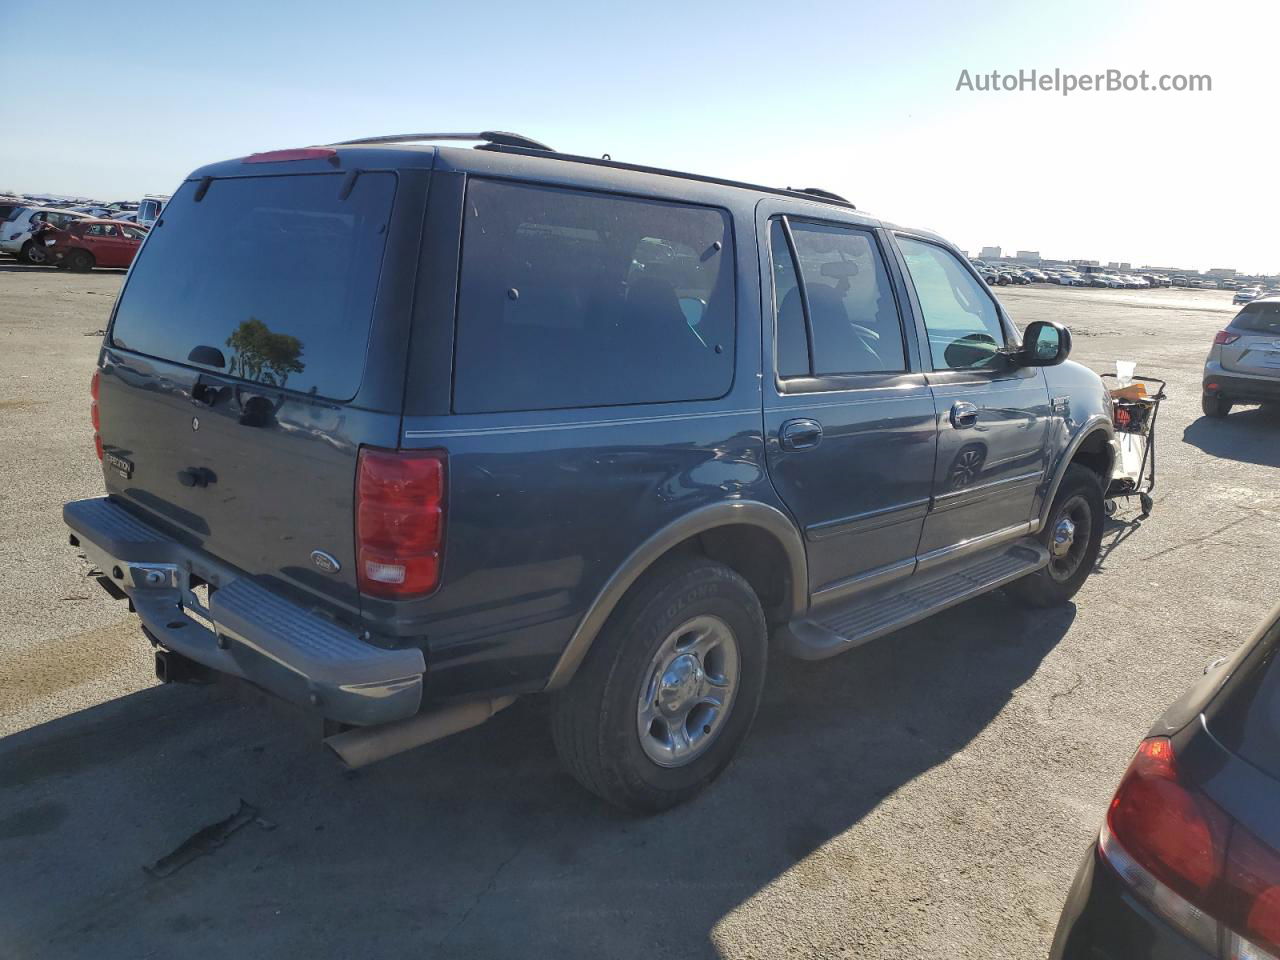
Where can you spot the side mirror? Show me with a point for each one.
(1045, 344)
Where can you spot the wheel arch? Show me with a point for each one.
(1093, 446)
(748, 536)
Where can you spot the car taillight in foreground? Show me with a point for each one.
(1186, 858)
(400, 503)
(93, 411)
(1224, 337)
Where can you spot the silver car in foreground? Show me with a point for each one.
(1244, 361)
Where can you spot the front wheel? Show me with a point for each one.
(669, 689)
(80, 261)
(1073, 537)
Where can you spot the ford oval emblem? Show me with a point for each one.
(195, 423)
(326, 562)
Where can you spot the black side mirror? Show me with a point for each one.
(1044, 344)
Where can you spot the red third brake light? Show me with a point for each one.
(1189, 860)
(298, 153)
(400, 502)
(93, 411)
(1224, 337)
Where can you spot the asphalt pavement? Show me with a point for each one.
(928, 795)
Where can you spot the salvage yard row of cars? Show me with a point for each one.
(78, 238)
(1016, 274)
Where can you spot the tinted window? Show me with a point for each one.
(101, 230)
(960, 316)
(1248, 720)
(278, 273)
(1263, 317)
(853, 317)
(575, 299)
(793, 341)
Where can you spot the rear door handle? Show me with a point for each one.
(800, 434)
(963, 415)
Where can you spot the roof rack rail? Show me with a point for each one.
(819, 192)
(496, 137)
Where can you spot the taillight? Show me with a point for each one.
(297, 153)
(400, 504)
(1202, 871)
(1224, 337)
(93, 411)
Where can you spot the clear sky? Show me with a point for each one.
(860, 98)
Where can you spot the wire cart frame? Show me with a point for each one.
(1135, 423)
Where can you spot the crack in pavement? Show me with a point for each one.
(1198, 540)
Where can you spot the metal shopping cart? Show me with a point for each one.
(1134, 411)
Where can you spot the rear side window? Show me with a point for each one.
(571, 298)
(278, 273)
(1263, 317)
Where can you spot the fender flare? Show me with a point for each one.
(734, 512)
(1098, 423)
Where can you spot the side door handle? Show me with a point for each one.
(800, 434)
(963, 415)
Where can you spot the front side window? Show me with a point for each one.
(964, 327)
(570, 298)
(841, 311)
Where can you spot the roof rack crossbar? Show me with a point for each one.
(499, 137)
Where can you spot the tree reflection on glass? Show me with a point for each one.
(263, 356)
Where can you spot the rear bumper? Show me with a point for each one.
(247, 630)
(1102, 921)
(1240, 388)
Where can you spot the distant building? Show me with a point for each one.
(1222, 272)
(989, 253)
(1032, 255)
(1084, 263)
(1117, 265)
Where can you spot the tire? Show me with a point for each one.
(33, 254)
(1215, 405)
(600, 722)
(1079, 500)
(80, 261)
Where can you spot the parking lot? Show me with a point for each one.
(928, 795)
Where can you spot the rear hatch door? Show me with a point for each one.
(235, 387)
(1257, 351)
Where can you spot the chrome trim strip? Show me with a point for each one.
(868, 521)
(942, 555)
(839, 589)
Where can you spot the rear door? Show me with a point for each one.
(234, 393)
(1257, 349)
(849, 420)
(992, 418)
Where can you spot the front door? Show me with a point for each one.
(992, 417)
(849, 416)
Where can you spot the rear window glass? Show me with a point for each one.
(278, 273)
(576, 299)
(1261, 317)
(1248, 722)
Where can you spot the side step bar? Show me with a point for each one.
(830, 630)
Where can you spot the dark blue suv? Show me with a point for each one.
(399, 432)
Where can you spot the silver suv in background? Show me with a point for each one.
(1244, 361)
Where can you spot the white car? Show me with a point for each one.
(15, 233)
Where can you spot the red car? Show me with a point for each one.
(90, 243)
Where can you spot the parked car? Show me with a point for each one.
(422, 470)
(1246, 294)
(86, 244)
(1244, 362)
(1187, 864)
(16, 234)
(149, 208)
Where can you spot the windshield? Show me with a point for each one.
(277, 274)
(1259, 317)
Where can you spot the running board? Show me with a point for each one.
(843, 626)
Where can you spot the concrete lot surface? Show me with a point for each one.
(928, 795)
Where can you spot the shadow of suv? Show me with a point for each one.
(401, 432)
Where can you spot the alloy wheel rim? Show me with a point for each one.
(1069, 538)
(688, 691)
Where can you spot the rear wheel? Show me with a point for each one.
(33, 253)
(1215, 405)
(81, 261)
(669, 689)
(1073, 537)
